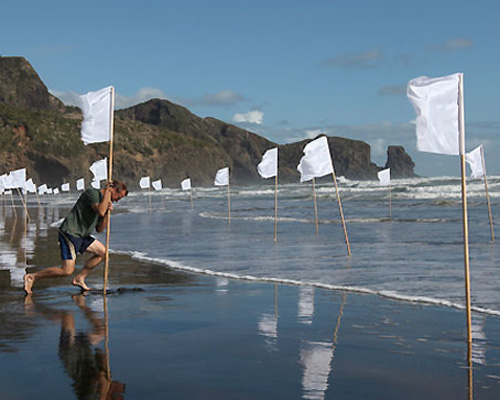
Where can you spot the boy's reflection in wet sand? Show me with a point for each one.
(83, 361)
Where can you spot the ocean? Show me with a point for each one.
(414, 255)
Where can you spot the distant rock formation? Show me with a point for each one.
(20, 86)
(157, 138)
(399, 162)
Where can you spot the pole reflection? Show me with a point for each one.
(317, 358)
(84, 361)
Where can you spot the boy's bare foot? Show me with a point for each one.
(28, 283)
(81, 284)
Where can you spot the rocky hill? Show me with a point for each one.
(157, 138)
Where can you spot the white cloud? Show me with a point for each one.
(367, 60)
(143, 94)
(251, 117)
(311, 134)
(221, 98)
(451, 45)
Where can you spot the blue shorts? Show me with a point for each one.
(70, 245)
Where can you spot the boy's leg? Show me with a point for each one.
(99, 251)
(68, 266)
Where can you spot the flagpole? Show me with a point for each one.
(12, 202)
(110, 174)
(191, 197)
(341, 213)
(390, 216)
(24, 203)
(315, 205)
(228, 204)
(487, 196)
(276, 208)
(461, 124)
(149, 194)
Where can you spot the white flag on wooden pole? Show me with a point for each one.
(316, 161)
(222, 177)
(435, 101)
(384, 177)
(475, 160)
(18, 178)
(186, 184)
(42, 189)
(157, 185)
(97, 115)
(145, 182)
(80, 184)
(30, 186)
(100, 170)
(268, 167)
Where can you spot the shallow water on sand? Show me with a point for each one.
(186, 335)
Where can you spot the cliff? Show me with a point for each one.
(157, 138)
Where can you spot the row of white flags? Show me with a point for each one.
(145, 183)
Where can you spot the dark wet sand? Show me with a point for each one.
(174, 335)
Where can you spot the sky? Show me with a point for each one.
(286, 70)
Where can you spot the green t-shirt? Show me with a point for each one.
(82, 219)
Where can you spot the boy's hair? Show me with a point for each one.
(120, 186)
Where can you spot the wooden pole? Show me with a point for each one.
(276, 299)
(487, 196)
(191, 198)
(106, 344)
(390, 201)
(461, 125)
(228, 204)
(24, 203)
(315, 206)
(149, 197)
(110, 175)
(341, 213)
(276, 208)
(12, 202)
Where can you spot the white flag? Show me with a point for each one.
(49, 191)
(65, 187)
(435, 101)
(268, 167)
(100, 170)
(42, 189)
(144, 183)
(186, 184)
(80, 184)
(95, 184)
(18, 178)
(97, 114)
(384, 177)
(30, 186)
(475, 160)
(156, 184)
(316, 161)
(55, 191)
(6, 181)
(222, 177)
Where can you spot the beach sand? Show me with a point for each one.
(170, 334)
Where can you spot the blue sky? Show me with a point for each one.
(286, 70)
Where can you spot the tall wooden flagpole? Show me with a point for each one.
(390, 216)
(228, 203)
(461, 128)
(110, 175)
(276, 207)
(487, 196)
(341, 212)
(315, 206)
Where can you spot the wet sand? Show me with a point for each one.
(167, 334)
